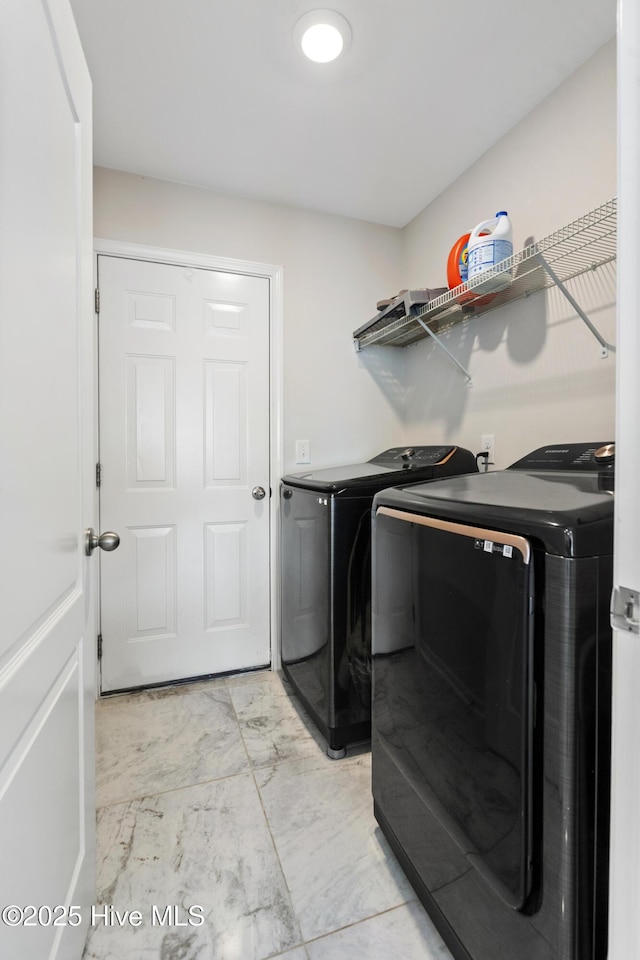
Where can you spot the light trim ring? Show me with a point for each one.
(322, 35)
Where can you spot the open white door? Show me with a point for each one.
(47, 641)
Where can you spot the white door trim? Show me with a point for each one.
(624, 918)
(275, 274)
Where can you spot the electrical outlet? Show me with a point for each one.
(303, 451)
(488, 444)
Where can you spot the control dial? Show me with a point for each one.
(605, 454)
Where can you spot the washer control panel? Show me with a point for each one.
(409, 456)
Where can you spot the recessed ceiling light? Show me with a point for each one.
(322, 35)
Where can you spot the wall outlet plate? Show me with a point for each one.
(303, 451)
(488, 444)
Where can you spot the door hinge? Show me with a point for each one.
(98, 474)
(97, 299)
(99, 646)
(625, 607)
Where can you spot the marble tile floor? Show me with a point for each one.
(218, 795)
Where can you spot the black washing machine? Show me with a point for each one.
(326, 581)
(492, 701)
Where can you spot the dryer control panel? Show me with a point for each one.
(593, 457)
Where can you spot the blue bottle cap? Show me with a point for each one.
(501, 213)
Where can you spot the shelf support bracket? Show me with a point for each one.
(438, 342)
(604, 351)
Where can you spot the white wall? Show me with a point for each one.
(349, 405)
(537, 375)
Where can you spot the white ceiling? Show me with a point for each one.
(212, 92)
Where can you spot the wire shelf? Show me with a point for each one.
(587, 243)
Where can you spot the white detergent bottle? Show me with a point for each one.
(490, 242)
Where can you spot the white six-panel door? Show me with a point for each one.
(47, 640)
(184, 439)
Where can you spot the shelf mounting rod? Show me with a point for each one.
(440, 344)
(604, 352)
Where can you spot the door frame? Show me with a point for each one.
(275, 275)
(624, 929)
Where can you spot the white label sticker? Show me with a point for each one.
(507, 550)
(488, 546)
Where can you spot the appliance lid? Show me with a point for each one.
(571, 512)
(331, 476)
(386, 468)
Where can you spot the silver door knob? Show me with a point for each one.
(258, 493)
(106, 541)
